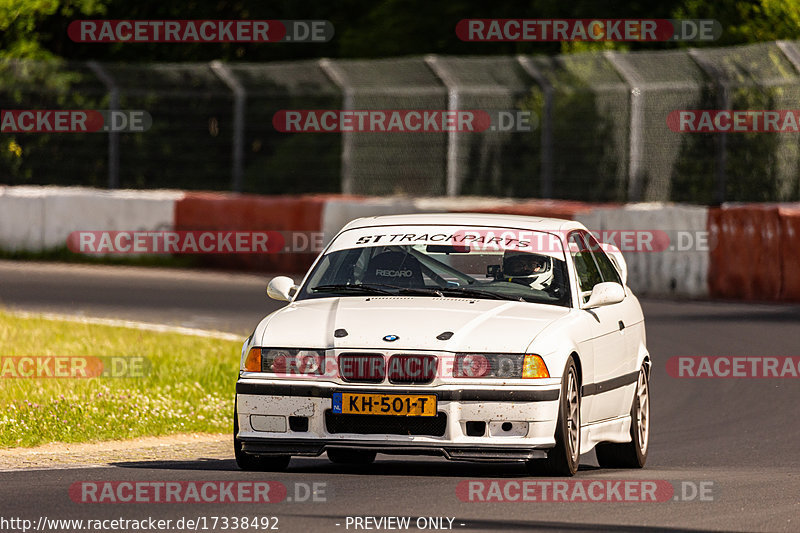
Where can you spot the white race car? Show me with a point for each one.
(468, 336)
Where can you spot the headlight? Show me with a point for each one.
(287, 361)
(508, 366)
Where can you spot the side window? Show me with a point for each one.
(607, 268)
(588, 273)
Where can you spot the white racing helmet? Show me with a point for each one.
(533, 270)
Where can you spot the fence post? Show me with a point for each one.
(113, 136)
(634, 82)
(339, 79)
(791, 53)
(546, 165)
(239, 100)
(453, 186)
(723, 100)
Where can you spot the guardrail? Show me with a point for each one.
(740, 251)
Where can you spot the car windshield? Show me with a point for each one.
(474, 263)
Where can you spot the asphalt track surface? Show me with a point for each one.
(743, 435)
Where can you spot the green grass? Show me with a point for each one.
(189, 388)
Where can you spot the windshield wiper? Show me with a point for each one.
(420, 290)
(375, 288)
(342, 287)
(468, 291)
(410, 290)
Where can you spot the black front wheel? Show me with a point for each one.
(564, 457)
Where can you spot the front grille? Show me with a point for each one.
(386, 425)
(412, 369)
(362, 367)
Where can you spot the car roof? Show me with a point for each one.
(468, 219)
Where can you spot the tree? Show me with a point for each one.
(747, 21)
(31, 29)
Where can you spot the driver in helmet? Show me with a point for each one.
(533, 270)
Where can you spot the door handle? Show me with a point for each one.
(621, 325)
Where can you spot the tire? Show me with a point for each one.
(256, 463)
(351, 457)
(563, 459)
(631, 454)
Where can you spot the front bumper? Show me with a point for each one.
(519, 422)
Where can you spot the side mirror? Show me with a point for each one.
(280, 288)
(605, 293)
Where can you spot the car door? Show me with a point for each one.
(630, 313)
(610, 353)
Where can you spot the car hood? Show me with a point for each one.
(476, 325)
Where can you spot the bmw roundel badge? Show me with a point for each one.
(391, 338)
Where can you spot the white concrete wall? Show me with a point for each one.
(41, 218)
(672, 272)
(21, 218)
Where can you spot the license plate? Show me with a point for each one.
(352, 403)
